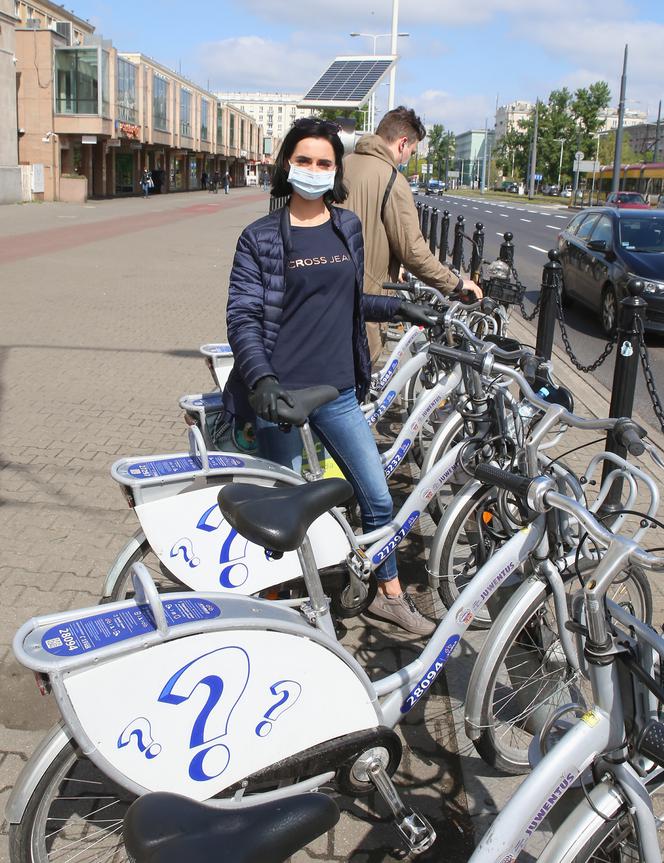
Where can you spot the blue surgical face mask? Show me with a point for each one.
(310, 184)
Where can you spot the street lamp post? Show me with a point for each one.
(560, 141)
(372, 100)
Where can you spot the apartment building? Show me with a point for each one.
(94, 117)
(275, 112)
(509, 116)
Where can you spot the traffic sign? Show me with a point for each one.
(588, 166)
(538, 177)
(579, 155)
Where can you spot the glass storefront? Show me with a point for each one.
(194, 182)
(76, 81)
(177, 173)
(124, 173)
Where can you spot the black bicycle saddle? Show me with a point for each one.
(278, 518)
(169, 828)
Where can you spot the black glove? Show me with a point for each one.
(265, 396)
(416, 314)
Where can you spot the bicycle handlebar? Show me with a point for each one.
(540, 494)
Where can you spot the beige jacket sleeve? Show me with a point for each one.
(407, 243)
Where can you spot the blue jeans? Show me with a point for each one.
(343, 429)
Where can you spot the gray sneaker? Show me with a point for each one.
(402, 611)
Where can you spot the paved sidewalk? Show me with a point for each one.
(104, 308)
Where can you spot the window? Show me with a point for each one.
(586, 227)
(185, 112)
(220, 125)
(126, 92)
(231, 129)
(160, 103)
(77, 81)
(205, 128)
(242, 134)
(573, 226)
(603, 230)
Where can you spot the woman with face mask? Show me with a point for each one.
(295, 318)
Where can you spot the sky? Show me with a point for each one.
(460, 59)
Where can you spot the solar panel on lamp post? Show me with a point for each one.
(372, 98)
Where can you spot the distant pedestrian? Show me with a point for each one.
(265, 181)
(227, 182)
(204, 179)
(147, 182)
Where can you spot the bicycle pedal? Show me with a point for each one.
(416, 831)
(651, 742)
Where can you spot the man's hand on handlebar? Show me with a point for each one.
(469, 287)
(265, 396)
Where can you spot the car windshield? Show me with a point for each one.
(642, 235)
(630, 198)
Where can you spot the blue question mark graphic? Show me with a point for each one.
(141, 730)
(233, 551)
(185, 546)
(289, 692)
(211, 723)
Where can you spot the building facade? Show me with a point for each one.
(94, 118)
(275, 112)
(509, 116)
(10, 173)
(631, 118)
(469, 154)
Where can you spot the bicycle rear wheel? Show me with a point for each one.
(74, 814)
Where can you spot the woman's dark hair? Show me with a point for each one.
(310, 127)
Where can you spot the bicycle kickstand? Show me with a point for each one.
(414, 829)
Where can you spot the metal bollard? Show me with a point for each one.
(506, 252)
(457, 250)
(433, 231)
(632, 309)
(425, 221)
(444, 234)
(478, 252)
(546, 323)
(418, 206)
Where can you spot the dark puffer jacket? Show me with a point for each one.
(256, 302)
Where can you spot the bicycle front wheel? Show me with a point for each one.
(604, 838)
(531, 678)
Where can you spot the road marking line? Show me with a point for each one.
(488, 211)
(536, 212)
(555, 227)
(560, 217)
(503, 215)
(475, 208)
(525, 220)
(537, 249)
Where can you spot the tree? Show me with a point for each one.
(607, 148)
(573, 120)
(358, 114)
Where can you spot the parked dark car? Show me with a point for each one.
(627, 201)
(601, 249)
(513, 188)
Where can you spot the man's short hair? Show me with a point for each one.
(401, 122)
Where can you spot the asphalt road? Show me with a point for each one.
(535, 228)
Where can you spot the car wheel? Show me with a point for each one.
(609, 311)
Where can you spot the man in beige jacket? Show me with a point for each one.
(380, 195)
